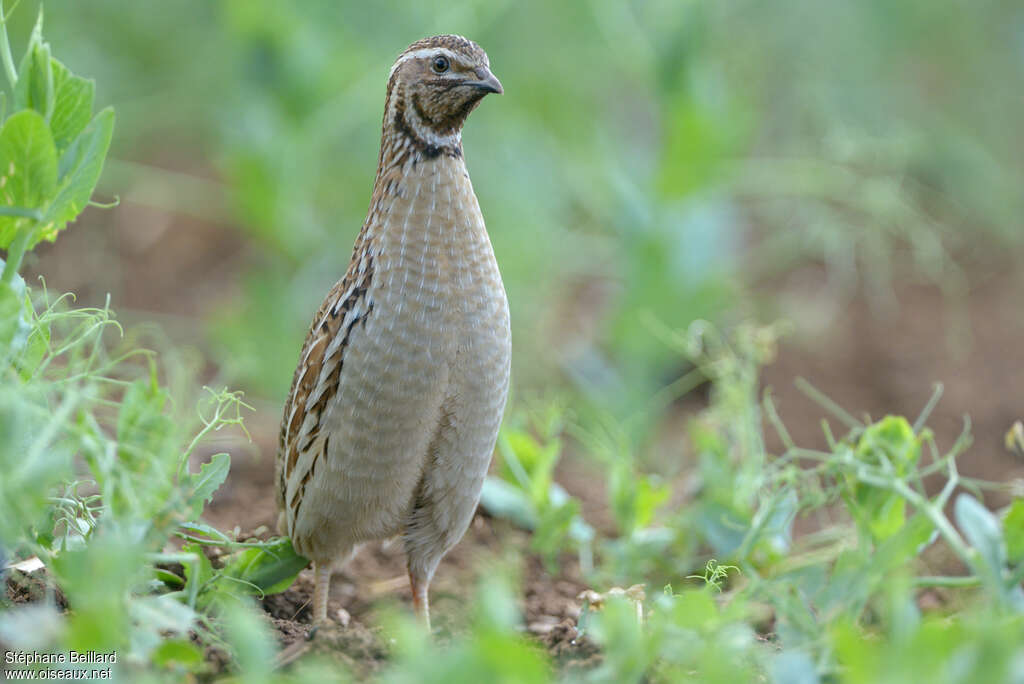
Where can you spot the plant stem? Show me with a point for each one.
(15, 252)
(5, 50)
(932, 512)
(21, 212)
(969, 581)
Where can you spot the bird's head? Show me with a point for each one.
(434, 85)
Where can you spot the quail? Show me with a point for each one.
(395, 405)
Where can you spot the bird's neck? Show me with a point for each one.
(408, 134)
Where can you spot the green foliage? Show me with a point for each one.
(255, 568)
(51, 148)
(889, 444)
(525, 492)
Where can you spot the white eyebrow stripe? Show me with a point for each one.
(422, 52)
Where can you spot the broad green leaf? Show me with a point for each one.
(80, 168)
(208, 480)
(28, 171)
(72, 105)
(1013, 531)
(269, 569)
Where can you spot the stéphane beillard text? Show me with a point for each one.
(60, 658)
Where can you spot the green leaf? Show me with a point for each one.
(80, 168)
(37, 346)
(503, 500)
(891, 439)
(1013, 531)
(72, 107)
(208, 480)
(35, 78)
(198, 529)
(983, 531)
(635, 498)
(177, 652)
(198, 574)
(885, 511)
(723, 527)
(27, 483)
(890, 443)
(251, 642)
(269, 569)
(141, 421)
(28, 171)
(15, 315)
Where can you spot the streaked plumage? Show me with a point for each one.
(401, 384)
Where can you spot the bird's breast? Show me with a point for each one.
(436, 268)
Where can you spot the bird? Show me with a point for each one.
(395, 405)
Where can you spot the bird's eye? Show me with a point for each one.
(440, 65)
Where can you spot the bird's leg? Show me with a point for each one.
(420, 599)
(321, 589)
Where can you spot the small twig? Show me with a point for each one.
(820, 398)
(926, 412)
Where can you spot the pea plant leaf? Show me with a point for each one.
(269, 569)
(52, 150)
(28, 171)
(72, 105)
(80, 168)
(208, 480)
(1013, 531)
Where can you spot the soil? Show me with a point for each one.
(869, 362)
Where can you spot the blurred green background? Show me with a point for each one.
(651, 163)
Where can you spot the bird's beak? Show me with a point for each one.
(486, 81)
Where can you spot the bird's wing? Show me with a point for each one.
(316, 381)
